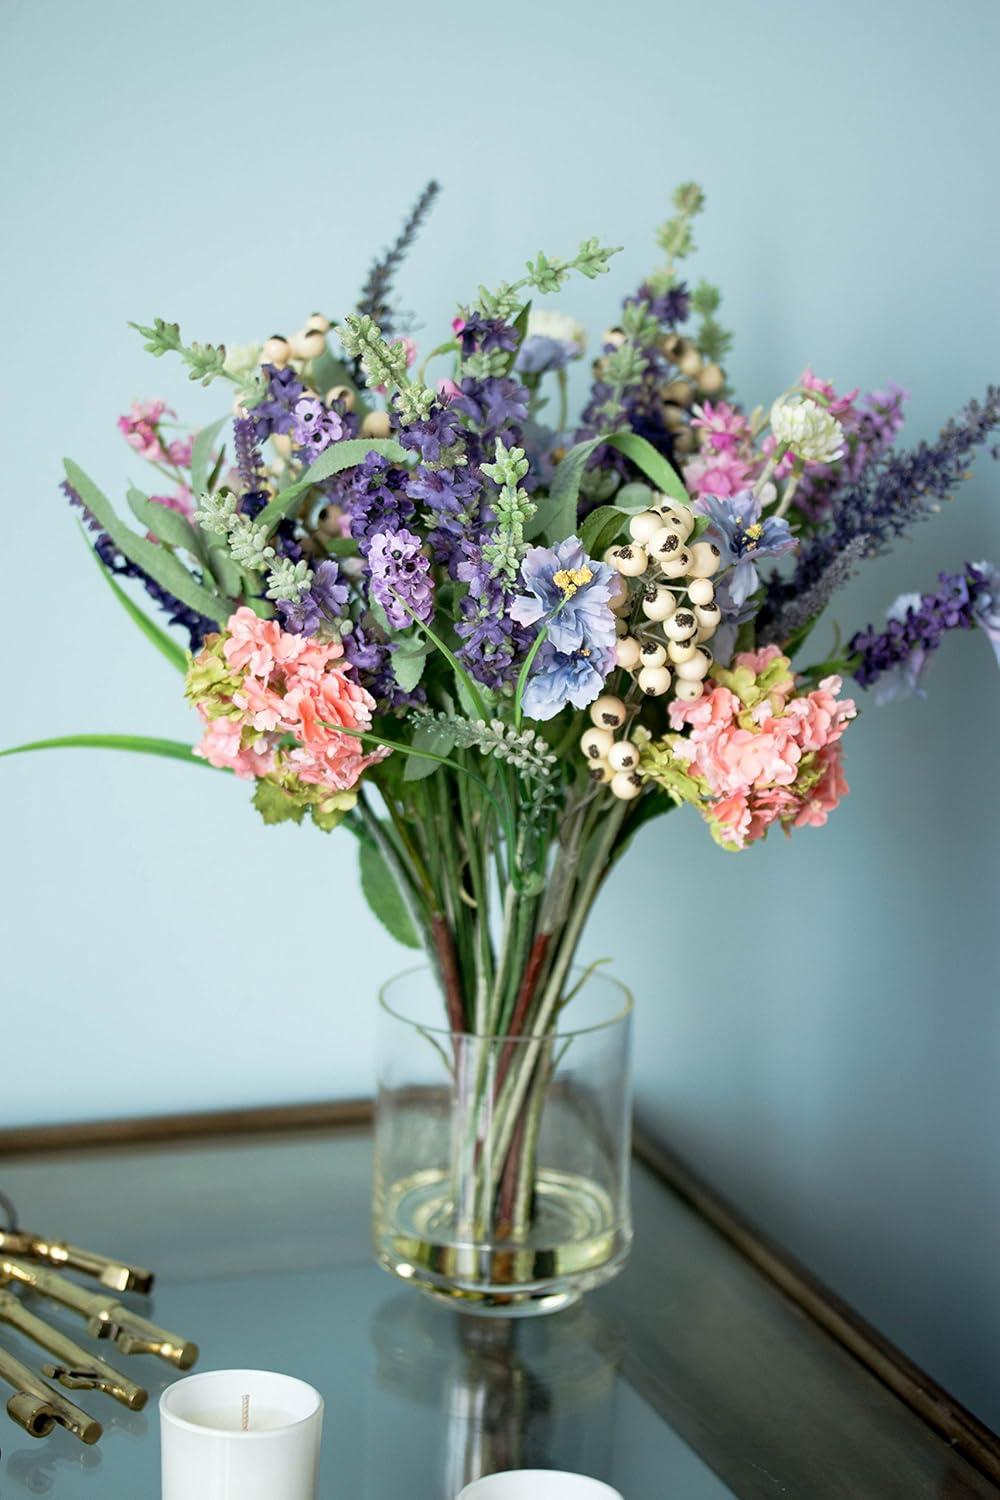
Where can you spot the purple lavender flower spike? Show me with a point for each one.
(400, 576)
(276, 412)
(325, 600)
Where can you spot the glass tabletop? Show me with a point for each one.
(689, 1378)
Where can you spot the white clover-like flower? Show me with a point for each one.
(241, 359)
(550, 324)
(812, 432)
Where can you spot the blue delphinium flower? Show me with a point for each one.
(570, 592)
(736, 528)
(540, 355)
(893, 660)
(562, 677)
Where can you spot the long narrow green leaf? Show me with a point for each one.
(555, 517)
(154, 560)
(652, 463)
(167, 524)
(169, 648)
(383, 895)
(140, 744)
(334, 460)
(201, 453)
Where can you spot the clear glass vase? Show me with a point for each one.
(502, 1162)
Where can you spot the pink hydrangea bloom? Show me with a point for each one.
(761, 754)
(718, 473)
(138, 427)
(283, 685)
(724, 427)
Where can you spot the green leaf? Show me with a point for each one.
(275, 805)
(154, 560)
(336, 458)
(164, 522)
(140, 744)
(341, 546)
(434, 737)
(634, 496)
(555, 517)
(601, 528)
(408, 660)
(201, 453)
(175, 654)
(652, 463)
(326, 372)
(383, 896)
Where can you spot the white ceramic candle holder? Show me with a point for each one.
(240, 1435)
(538, 1484)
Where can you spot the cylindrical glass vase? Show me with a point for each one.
(502, 1162)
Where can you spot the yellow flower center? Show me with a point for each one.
(568, 580)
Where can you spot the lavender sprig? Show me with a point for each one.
(376, 292)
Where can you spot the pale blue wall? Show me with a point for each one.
(832, 1057)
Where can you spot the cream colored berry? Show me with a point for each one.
(623, 756)
(701, 591)
(652, 654)
(630, 561)
(307, 344)
(643, 526)
(654, 681)
(710, 380)
(689, 692)
(608, 712)
(595, 743)
(341, 395)
(679, 651)
(681, 626)
(709, 616)
(376, 425)
(276, 351)
(599, 771)
(693, 670)
(658, 603)
(705, 559)
(677, 518)
(317, 323)
(627, 653)
(626, 785)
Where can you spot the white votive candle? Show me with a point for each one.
(240, 1435)
(538, 1484)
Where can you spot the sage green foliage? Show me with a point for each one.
(205, 362)
(713, 341)
(525, 749)
(136, 743)
(158, 561)
(676, 236)
(545, 274)
(381, 891)
(513, 509)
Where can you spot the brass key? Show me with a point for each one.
(106, 1317)
(77, 1368)
(37, 1407)
(116, 1274)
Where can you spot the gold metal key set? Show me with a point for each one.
(29, 1261)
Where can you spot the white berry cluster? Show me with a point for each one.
(809, 430)
(666, 613)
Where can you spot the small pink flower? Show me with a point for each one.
(722, 474)
(838, 405)
(179, 452)
(138, 427)
(725, 427)
(182, 501)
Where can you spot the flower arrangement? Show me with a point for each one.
(418, 601)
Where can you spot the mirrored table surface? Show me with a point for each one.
(692, 1377)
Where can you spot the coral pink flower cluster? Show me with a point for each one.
(140, 428)
(776, 759)
(276, 684)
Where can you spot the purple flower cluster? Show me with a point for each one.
(452, 498)
(889, 498)
(325, 600)
(400, 577)
(371, 660)
(376, 499)
(897, 656)
(493, 644)
(496, 407)
(276, 413)
(315, 427)
(871, 427)
(478, 335)
(668, 308)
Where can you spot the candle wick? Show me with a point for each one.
(245, 1418)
